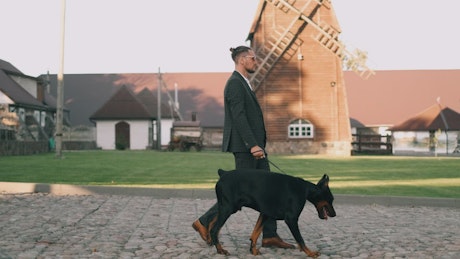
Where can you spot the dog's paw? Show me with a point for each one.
(221, 250)
(255, 251)
(309, 252)
(313, 254)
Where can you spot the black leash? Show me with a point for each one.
(265, 156)
(275, 165)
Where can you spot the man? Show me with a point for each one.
(244, 136)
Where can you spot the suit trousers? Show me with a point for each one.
(245, 161)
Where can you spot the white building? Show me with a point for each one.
(128, 121)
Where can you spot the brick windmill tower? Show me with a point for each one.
(299, 81)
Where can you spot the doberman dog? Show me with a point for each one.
(274, 195)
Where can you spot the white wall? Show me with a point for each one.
(166, 126)
(419, 141)
(105, 134)
(139, 133)
(5, 99)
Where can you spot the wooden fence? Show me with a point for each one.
(17, 148)
(371, 144)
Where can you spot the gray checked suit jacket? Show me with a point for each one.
(244, 122)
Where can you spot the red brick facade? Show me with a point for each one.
(305, 83)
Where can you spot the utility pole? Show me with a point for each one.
(60, 88)
(160, 82)
(445, 124)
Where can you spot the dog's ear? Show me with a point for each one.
(324, 182)
(221, 172)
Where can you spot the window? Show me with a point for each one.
(22, 114)
(301, 129)
(37, 117)
(43, 119)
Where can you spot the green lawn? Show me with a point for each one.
(364, 175)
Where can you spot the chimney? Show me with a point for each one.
(193, 116)
(41, 91)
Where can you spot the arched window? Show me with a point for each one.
(301, 129)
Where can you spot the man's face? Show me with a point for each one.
(250, 62)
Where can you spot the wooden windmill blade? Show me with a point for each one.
(328, 38)
(286, 43)
(283, 42)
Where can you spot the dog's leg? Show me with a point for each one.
(222, 217)
(256, 233)
(214, 233)
(210, 226)
(294, 227)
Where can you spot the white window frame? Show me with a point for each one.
(301, 129)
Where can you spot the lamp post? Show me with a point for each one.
(60, 88)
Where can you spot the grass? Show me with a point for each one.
(362, 175)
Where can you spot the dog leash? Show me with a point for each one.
(275, 165)
(269, 161)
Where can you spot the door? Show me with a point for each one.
(122, 135)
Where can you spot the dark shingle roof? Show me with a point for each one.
(7, 67)
(150, 100)
(354, 123)
(122, 105)
(15, 92)
(433, 118)
(386, 98)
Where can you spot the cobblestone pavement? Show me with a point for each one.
(122, 226)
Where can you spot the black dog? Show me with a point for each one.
(274, 195)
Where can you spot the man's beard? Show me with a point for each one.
(250, 71)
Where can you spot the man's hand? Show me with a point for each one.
(257, 152)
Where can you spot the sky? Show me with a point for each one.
(148, 36)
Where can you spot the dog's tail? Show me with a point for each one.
(222, 172)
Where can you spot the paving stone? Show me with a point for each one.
(121, 226)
